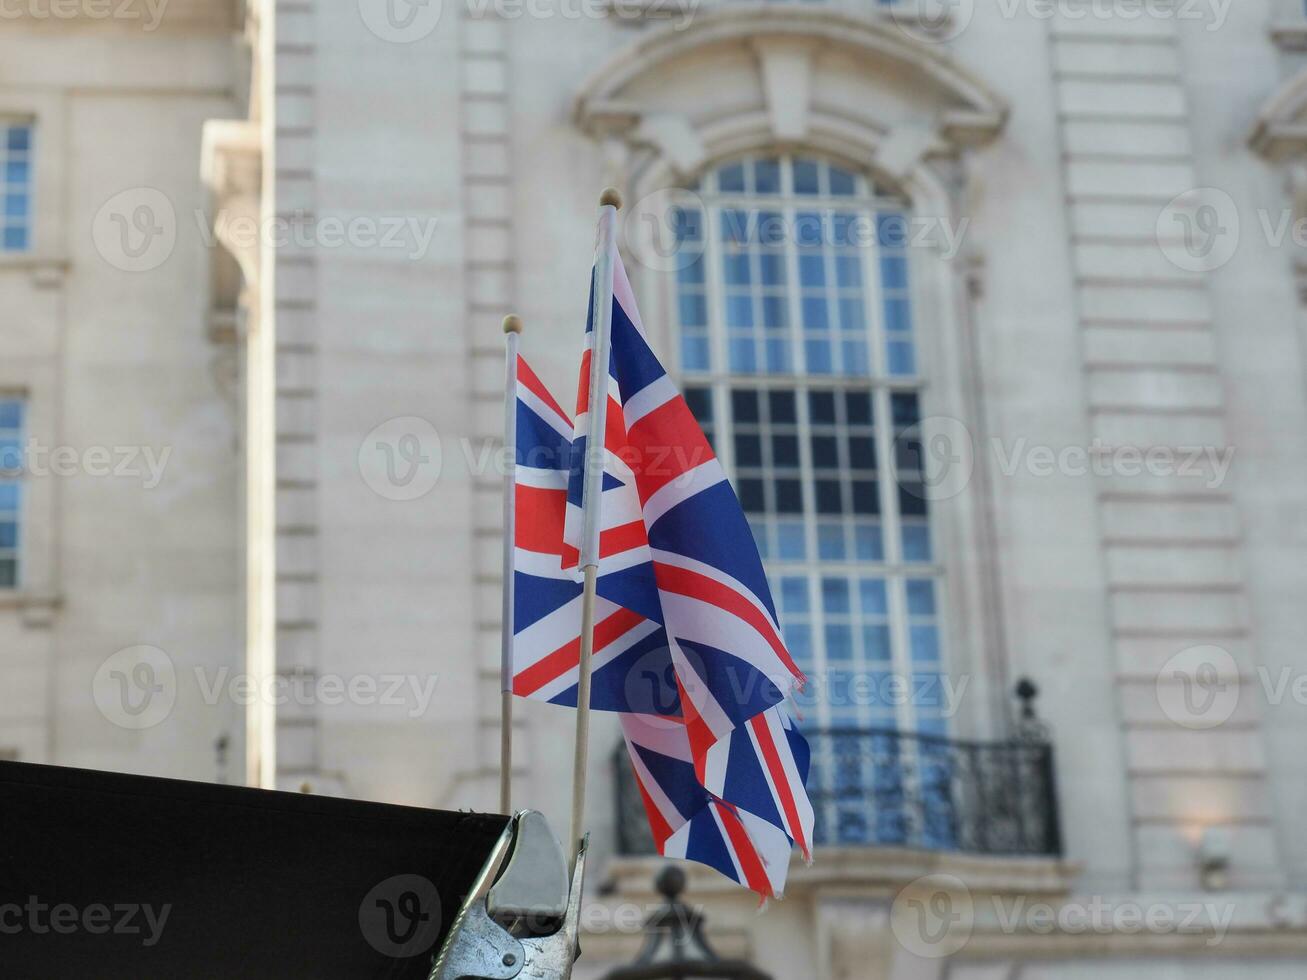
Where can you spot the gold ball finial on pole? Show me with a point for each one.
(611, 196)
(512, 323)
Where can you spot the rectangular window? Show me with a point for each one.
(11, 487)
(15, 187)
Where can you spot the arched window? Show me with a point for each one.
(799, 356)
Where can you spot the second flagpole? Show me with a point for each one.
(592, 520)
(512, 333)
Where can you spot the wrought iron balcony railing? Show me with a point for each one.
(873, 787)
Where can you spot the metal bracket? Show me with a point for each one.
(480, 948)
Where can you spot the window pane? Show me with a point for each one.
(731, 178)
(744, 405)
(805, 177)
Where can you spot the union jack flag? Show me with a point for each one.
(687, 646)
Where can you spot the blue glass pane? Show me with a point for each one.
(835, 595)
(812, 271)
(693, 310)
(8, 573)
(15, 239)
(855, 358)
(839, 643)
(848, 271)
(739, 310)
(731, 178)
(818, 352)
(805, 177)
(8, 534)
(921, 597)
(772, 268)
(794, 595)
(16, 171)
(775, 312)
(842, 183)
(760, 539)
(778, 356)
(15, 205)
(793, 545)
(871, 591)
(694, 353)
(867, 539)
(815, 314)
(743, 356)
(9, 493)
(916, 542)
(11, 454)
(11, 414)
(830, 542)
(737, 270)
(19, 138)
(894, 272)
(925, 644)
(875, 642)
(851, 315)
(902, 358)
(898, 315)
(767, 177)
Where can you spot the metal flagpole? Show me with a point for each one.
(601, 326)
(512, 333)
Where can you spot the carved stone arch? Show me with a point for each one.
(681, 98)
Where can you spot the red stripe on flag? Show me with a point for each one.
(617, 540)
(755, 875)
(685, 582)
(583, 384)
(771, 755)
(660, 827)
(539, 523)
(668, 443)
(696, 729)
(568, 656)
(528, 379)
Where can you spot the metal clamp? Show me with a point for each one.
(498, 932)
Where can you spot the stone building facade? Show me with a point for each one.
(1043, 420)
